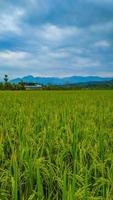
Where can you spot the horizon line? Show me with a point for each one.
(60, 77)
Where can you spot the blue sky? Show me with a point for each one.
(56, 38)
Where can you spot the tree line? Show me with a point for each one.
(6, 85)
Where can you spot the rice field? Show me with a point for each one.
(56, 145)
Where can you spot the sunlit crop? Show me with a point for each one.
(56, 145)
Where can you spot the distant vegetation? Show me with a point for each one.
(7, 85)
(107, 85)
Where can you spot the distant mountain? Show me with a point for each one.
(61, 81)
(16, 81)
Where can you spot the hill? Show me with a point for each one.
(61, 81)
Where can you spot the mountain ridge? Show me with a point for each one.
(60, 81)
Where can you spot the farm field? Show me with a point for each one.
(56, 145)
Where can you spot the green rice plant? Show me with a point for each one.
(56, 145)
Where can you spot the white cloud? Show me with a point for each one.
(44, 61)
(52, 32)
(10, 55)
(85, 62)
(10, 21)
(58, 54)
(102, 44)
(14, 58)
(47, 63)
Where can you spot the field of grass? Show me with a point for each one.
(56, 145)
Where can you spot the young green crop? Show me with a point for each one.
(56, 145)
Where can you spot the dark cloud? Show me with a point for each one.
(56, 37)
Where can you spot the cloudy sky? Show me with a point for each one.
(56, 38)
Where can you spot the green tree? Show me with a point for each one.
(21, 86)
(6, 78)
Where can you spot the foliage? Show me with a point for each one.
(98, 85)
(10, 86)
(6, 78)
(79, 86)
(108, 85)
(56, 145)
